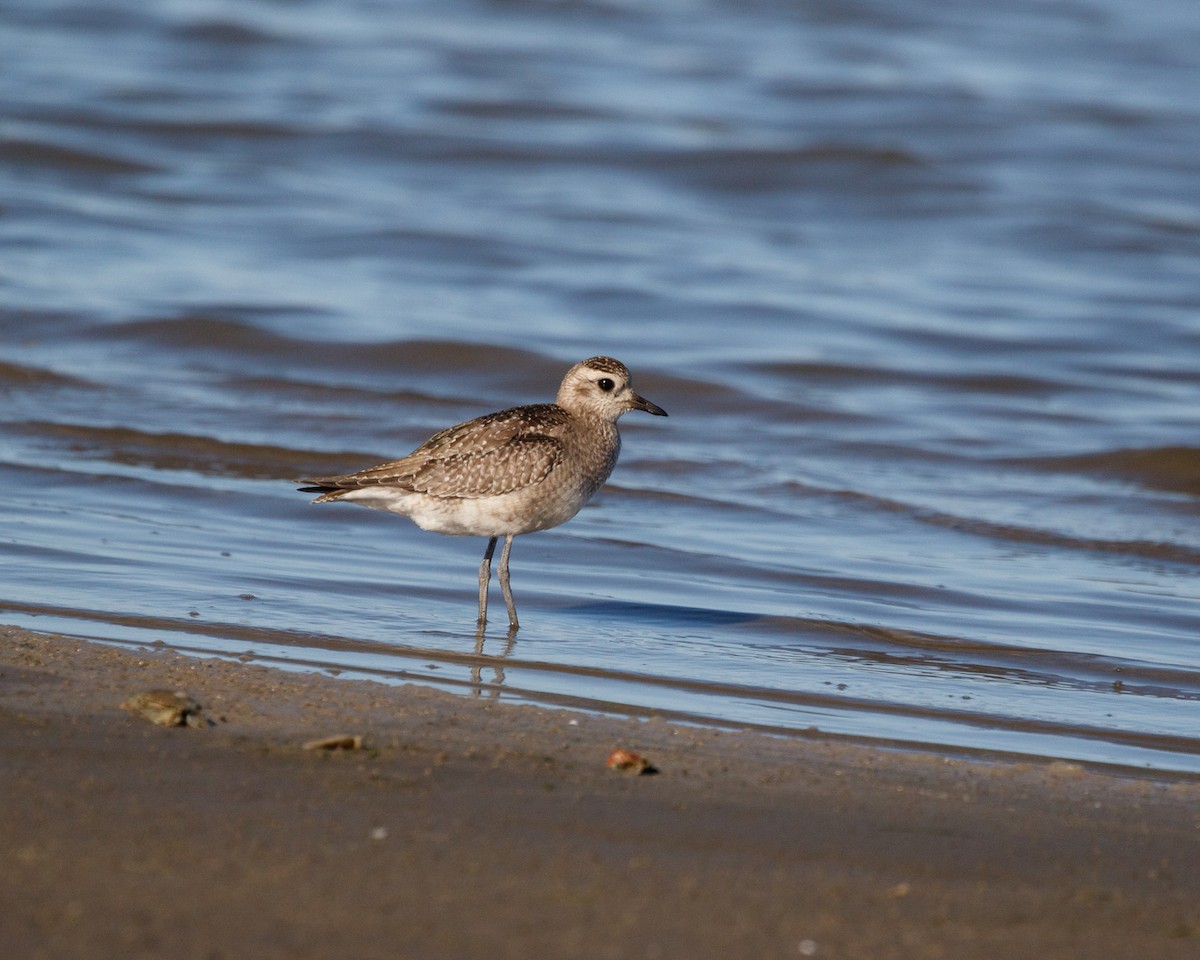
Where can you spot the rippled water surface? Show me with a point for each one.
(918, 283)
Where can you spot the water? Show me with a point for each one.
(918, 285)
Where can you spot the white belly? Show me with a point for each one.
(525, 511)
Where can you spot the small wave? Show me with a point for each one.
(341, 395)
(509, 110)
(15, 375)
(251, 344)
(166, 126)
(733, 169)
(763, 169)
(33, 153)
(1013, 533)
(856, 375)
(463, 249)
(196, 454)
(1145, 549)
(223, 33)
(1170, 469)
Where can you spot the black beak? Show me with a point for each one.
(641, 403)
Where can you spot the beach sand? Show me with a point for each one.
(467, 828)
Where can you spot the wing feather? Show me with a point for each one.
(486, 457)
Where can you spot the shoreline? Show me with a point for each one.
(468, 827)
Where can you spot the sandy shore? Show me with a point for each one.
(467, 829)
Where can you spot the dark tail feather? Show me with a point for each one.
(327, 491)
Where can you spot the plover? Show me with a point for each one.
(516, 471)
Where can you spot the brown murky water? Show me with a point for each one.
(920, 288)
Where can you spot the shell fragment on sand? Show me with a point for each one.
(626, 761)
(340, 741)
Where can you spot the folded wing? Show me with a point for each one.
(488, 457)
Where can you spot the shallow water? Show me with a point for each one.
(918, 286)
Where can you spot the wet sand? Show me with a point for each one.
(467, 828)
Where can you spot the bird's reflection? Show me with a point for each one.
(492, 689)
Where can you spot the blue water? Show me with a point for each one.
(918, 285)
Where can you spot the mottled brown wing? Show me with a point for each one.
(523, 460)
(492, 455)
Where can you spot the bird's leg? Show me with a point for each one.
(485, 576)
(504, 587)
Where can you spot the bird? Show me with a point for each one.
(508, 473)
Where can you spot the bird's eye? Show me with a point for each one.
(606, 385)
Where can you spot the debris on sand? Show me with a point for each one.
(626, 761)
(340, 741)
(167, 708)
